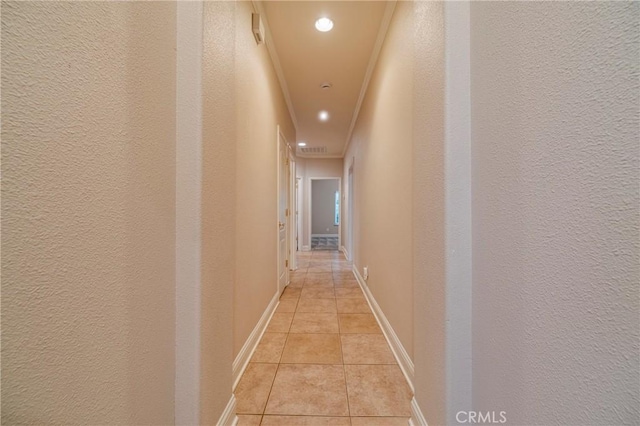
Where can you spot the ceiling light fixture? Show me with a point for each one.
(324, 24)
(323, 115)
(302, 144)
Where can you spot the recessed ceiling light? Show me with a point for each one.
(324, 24)
(323, 115)
(302, 144)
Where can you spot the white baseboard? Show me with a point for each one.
(417, 418)
(405, 363)
(241, 361)
(306, 248)
(228, 417)
(325, 235)
(345, 252)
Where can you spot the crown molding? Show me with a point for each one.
(373, 60)
(275, 61)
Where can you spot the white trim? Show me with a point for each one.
(325, 235)
(275, 60)
(241, 361)
(282, 144)
(404, 361)
(310, 212)
(228, 416)
(417, 418)
(345, 252)
(306, 248)
(373, 60)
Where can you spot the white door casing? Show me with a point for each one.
(283, 204)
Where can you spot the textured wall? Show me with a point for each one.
(189, 41)
(556, 211)
(260, 107)
(218, 208)
(88, 213)
(381, 149)
(428, 220)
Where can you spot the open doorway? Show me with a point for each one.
(324, 208)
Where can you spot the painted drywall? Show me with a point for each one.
(219, 151)
(381, 150)
(88, 212)
(555, 122)
(260, 107)
(189, 40)
(428, 219)
(307, 168)
(323, 202)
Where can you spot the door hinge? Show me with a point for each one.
(286, 263)
(286, 212)
(286, 162)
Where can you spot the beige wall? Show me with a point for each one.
(88, 213)
(260, 107)
(381, 152)
(218, 198)
(307, 168)
(556, 255)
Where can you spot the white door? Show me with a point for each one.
(283, 196)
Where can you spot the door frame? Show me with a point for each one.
(310, 206)
(292, 217)
(349, 207)
(282, 142)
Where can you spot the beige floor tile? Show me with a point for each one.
(319, 279)
(314, 390)
(379, 421)
(319, 268)
(317, 293)
(341, 267)
(358, 323)
(297, 279)
(298, 284)
(249, 420)
(353, 306)
(343, 275)
(312, 349)
(280, 322)
(377, 390)
(314, 323)
(345, 283)
(287, 305)
(318, 305)
(290, 293)
(349, 292)
(270, 348)
(366, 349)
(304, 421)
(253, 389)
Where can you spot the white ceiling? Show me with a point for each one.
(307, 58)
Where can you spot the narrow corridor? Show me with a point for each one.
(323, 359)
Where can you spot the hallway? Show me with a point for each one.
(158, 166)
(323, 359)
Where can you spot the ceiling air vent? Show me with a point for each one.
(313, 149)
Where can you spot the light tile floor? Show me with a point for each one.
(323, 359)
